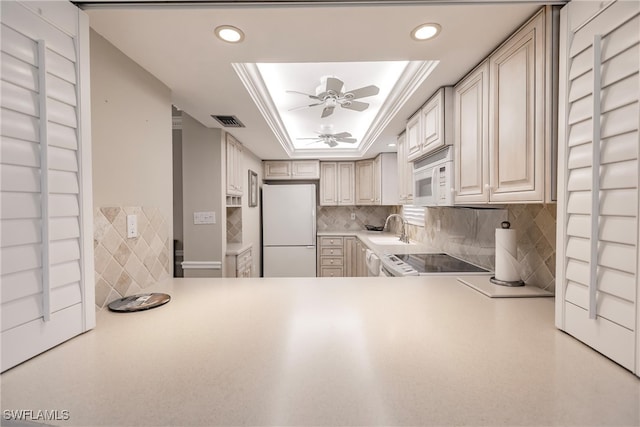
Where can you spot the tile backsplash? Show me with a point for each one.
(234, 225)
(338, 218)
(469, 234)
(125, 266)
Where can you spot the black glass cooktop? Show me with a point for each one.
(439, 263)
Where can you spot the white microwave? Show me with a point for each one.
(433, 179)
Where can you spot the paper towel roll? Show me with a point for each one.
(506, 255)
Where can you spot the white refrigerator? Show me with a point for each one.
(289, 230)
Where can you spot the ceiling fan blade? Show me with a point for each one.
(348, 140)
(334, 85)
(328, 111)
(316, 138)
(355, 105)
(305, 94)
(341, 135)
(331, 143)
(305, 106)
(362, 92)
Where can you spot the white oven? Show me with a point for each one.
(433, 179)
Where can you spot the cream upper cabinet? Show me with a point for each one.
(291, 169)
(305, 169)
(471, 141)
(328, 184)
(234, 166)
(277, 169)
(337, 183)
(517, 115)
(377, 180)
(405, 172)
(412, 136)
(365, 191)
(346, 183)
(434, 127)
(503, 120)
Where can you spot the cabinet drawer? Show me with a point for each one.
(331, 251)
(330, 261)
(331, 241)
(331, 272)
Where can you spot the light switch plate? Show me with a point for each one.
(132, 226)
(208, 217)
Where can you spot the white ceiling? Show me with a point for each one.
(176, 44)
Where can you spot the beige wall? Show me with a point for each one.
(251, 216)
(202, 172)
(131, 132)
(132, 173)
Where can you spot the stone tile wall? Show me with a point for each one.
(469, 234)
(234, 225)
(126, 266)
(338, 218)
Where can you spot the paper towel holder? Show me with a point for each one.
(506, 225)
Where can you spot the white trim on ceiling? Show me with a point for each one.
(410, 80)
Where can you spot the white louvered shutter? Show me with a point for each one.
(598, 211)
(46, 243)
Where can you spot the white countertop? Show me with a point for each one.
(317, 351)
(237, 248)
(400, 248)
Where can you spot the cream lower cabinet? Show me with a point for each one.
(598, 226)
(240, 265)
(361, 259)
(338, 256)
(331, 256)
(350, 266)
(337, 183)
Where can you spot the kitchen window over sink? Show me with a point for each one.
(413, 214)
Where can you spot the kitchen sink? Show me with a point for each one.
(388, 240)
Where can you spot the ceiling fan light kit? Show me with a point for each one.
(330, 94)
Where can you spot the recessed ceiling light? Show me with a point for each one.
(229, 34)
(425, 32)
(391, 144)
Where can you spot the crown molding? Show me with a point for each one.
(410, 80)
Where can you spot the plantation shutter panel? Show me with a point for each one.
(46, 213)
(598, 256)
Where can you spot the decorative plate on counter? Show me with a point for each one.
(139, 302)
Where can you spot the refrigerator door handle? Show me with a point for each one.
(313, 220)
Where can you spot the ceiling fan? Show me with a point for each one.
(332, 139)
(331, 95)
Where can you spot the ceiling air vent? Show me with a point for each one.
(229, 121)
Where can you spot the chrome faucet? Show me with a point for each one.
(403, 231)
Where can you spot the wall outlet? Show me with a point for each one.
(208, 217)
(353, 216)
(132, 226)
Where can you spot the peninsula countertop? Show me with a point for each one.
(318, 351)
